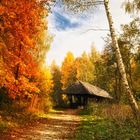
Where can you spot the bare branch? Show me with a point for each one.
(96, 29)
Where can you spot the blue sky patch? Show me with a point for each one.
(64, 23)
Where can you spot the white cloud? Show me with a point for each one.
(76, 40)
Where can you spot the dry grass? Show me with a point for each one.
(118, 112)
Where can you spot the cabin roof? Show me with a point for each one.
(84, 88)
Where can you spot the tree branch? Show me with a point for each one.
(95, 29)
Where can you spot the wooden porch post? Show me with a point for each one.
(79, 100)
(70, 99)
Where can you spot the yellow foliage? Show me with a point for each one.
(68, 70)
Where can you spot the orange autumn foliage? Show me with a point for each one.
(20, 24)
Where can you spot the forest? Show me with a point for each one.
(32, 100)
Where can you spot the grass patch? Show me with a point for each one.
(103, 123)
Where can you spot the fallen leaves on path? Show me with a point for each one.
(60, 125)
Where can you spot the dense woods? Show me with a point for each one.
(24, 42)
(29, 86)
(100, 68)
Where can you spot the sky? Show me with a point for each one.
(73, 32)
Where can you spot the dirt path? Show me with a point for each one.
(59, 125)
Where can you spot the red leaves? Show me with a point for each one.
(2, 9)
(21, 22)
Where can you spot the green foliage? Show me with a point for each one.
(132, 6)
(57, 85)
(106, 72)
(129, 46)
(98, 126)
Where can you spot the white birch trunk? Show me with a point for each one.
(121, 66)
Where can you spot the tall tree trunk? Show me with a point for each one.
(115, 47)
(33, 104)
(18, 65)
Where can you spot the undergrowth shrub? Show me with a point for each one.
(118, 112)
(3, 126)
(104, 121)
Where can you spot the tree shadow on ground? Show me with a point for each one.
(59, 125)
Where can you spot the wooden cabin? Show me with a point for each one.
(80, 93)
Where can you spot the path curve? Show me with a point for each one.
(59, 125)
